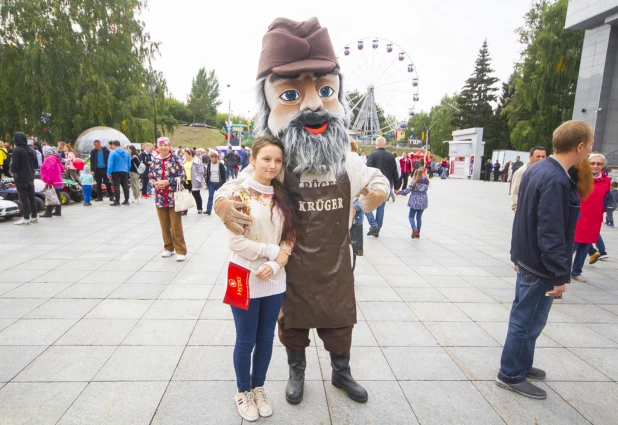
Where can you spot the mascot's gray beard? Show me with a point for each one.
(316, 153)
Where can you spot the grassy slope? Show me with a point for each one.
(198, 137)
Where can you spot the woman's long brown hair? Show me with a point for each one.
(281, 199)
(584, 179)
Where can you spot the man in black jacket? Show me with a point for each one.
(98, 164)
(23, 164)
(385, 162)
(542, 250)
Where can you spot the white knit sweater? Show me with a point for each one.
(261, 241)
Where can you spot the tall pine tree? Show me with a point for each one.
(478, 93)
(204, 97)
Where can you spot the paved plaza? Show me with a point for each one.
(97, 328)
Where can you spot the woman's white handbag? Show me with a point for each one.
(183, 199)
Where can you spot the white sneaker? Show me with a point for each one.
(34, 220)
(167, 254)
(180, 258)
(247, 408)
(21, 222)
(263, 403)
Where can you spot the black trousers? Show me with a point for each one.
(144, 178)
(100, 175)
(196, 195)
(25, 190)
(404, 178)
(121, 178)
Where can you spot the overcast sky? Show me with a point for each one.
(442, 37)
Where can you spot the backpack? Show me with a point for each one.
(141, 167)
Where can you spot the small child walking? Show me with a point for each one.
(418, 200)
(86, 179)
(612, 204)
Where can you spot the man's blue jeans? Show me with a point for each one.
(581, 252)
(528, 317)
(229, 173)
(379, 217)
(212, 188)
(255, 328)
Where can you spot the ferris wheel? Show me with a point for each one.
(382, 86)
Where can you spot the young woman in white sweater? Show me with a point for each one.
(264, 248)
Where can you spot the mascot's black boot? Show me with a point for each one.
(342, 378)
(298, 363)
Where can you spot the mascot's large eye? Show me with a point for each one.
(326, 91)
(290, 95)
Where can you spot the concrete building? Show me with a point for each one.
(596, 99)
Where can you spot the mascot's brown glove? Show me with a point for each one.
(372, 199)
(234, 220)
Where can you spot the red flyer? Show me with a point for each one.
(237, 292)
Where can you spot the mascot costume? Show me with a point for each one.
(302, 103)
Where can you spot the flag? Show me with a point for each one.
(237, 292)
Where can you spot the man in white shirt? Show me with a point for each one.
(537, 154)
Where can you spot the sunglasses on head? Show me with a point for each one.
(163, 143)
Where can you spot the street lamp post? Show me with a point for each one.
(153, 87)
(229, 118)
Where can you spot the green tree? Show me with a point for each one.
(437, 125)
(497, 130)
(80, 63)
(204, 97)
(178, 110)
(475, 98)
(545, 78)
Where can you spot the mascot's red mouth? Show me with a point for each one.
(316, 129)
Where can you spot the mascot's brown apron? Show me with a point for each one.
(320, 282)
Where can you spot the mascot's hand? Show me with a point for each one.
(234, 220)
(372, 200)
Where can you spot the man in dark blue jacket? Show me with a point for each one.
(542, 251)
(98, 164)
(384, 161)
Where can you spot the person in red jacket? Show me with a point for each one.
(406, 169)
(591, 215)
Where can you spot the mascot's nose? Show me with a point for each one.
(312, 100)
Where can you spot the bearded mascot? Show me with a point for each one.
(302, 103)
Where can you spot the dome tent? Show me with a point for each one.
(85, 142)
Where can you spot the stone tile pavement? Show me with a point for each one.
(97, 328)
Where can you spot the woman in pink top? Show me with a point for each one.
(51, 174)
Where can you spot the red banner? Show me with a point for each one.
(237, 292)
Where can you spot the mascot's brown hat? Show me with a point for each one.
(291, 47)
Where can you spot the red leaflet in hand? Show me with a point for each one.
(237, 292)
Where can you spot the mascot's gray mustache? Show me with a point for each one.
(318, 153)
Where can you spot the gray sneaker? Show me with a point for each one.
(525, 388)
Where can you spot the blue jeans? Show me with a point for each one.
(87, 189)
(358, 216)
(379, 217)
(419, 221)
(212, 188)
(581, 252)
(229, 173)
(528, 317)
(255, 328)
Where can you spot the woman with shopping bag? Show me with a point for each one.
(51, 174)
(166, 176)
